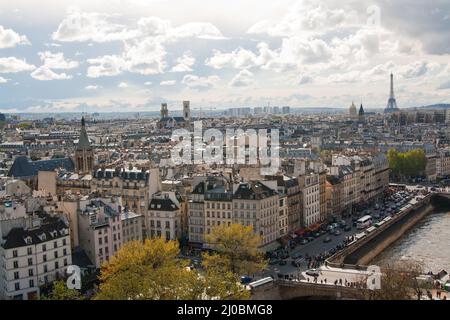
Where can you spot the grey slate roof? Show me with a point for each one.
(23, 167)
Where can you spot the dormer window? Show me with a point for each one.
(43, 237)
(159, 206)
(28, 240)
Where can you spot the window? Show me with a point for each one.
(65, 262)
(31, 283)
(167, 235)
(65, 252)
(56, 265)
(56, 254)
(30, 261)
(44, 247)
(15, 253)
(55, 244)
(29, 251)
(16, 264)
(45, 268)
(106, 239)
(100, 240)
(16, 275)
(64, 242)
(30, 272)
(17, 286)
(44, 258)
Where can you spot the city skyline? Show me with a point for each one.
(134, 55)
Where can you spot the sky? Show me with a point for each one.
(132, 55)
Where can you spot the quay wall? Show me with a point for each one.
(361, 252)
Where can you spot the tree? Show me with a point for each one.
(60, 291)
(236, 250)
(153, 270)
(407, 164)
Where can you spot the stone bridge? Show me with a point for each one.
(294, 290)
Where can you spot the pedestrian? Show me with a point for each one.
(325, 280)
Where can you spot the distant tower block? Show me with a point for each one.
(392, 104)
(186, 111)
(164, 110)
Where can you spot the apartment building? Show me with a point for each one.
(134, 186)
(443, 163)
(289, 187)
(164, 217)
(100, 229)
(34, 251)
(132, 226)
(256, 205)
(310, 188)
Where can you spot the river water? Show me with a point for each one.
(428, 242)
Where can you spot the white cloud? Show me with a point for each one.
(80, 26)
(145, 57)
(193, 81)
(9, 38)
(13, 65)
(147, 83)
(184, 63)
(243, 79)
(168, 83)
(57, 60)
(307, 17)
(92, 87)
(105, 66)
(122, 85)
(43, 73)
(239, 59)
(3, 80)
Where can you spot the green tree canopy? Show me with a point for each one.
(407, 164)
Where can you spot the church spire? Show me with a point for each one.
(84, 154)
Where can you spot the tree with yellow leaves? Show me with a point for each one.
(153, 271)
(236, 250)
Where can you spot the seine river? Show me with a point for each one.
(427, 242)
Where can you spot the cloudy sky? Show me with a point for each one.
(131, 55)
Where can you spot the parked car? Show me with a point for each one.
(342, 223)
(316, 234)
(336, 232)
(347, 228)
(327, 239)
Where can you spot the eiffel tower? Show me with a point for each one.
(392, 104)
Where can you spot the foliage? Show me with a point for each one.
(237, 250)
(24, 125)
(60, 291)
(153, 270)
(407, 164)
